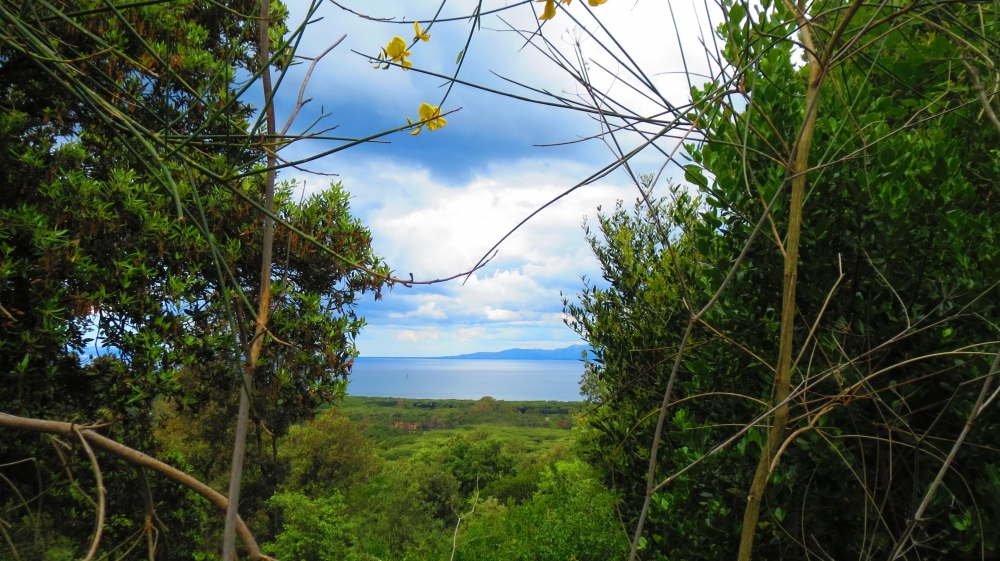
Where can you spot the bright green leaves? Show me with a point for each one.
(695, 175)
(571, 516)
(314, 529)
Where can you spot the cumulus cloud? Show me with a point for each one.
(416, 335)
(437, 202)
(434, 229)
(499, 314)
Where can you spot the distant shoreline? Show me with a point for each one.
(418, 400)
(460, 358)
(451, 378)
(573, 352)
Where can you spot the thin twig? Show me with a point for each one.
(454, 538)
(987, 106)
(929, 495)
(300, 103)
(10, 544)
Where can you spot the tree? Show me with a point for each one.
(888, 345)
(115, 224)
(570, 517)
(327, 454)
(314, 530)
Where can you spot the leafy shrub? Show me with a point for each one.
(313, 529)
(570, 517)
(326, 454)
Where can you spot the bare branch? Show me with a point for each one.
(454, 538)
(987, 106)
(300, 103)
(99, 482)
(929, 495)
(135, 458)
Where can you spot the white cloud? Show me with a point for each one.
(416, 336)
(439, 217)
(498, 314)
(434, 229)
(428, 310)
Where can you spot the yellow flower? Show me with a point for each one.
(422, 35)
(550, 7)
(431, 116)
(396, 51)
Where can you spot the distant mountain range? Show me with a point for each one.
(569, 353)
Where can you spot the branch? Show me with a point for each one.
(264, 307)
(982, 95)
(99, 481)
(154, 527)
(454, 538)
(10, 544)
(136, 458)
(300, 103)
(783, 375)
(976, 410)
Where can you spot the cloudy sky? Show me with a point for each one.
(438, 201)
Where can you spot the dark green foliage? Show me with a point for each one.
(326, 454)
(543, 502)
(436, 414)
(92, 246)
(477, 464)
(909, 215)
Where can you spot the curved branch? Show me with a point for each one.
(99, 481)
(136, 458)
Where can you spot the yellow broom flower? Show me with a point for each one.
(422, 35)
(432, 117)
(550, 8)
(396, 51)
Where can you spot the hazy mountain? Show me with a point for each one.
(569, 353)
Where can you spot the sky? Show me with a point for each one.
(436, 202)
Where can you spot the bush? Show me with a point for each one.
(570, 517)
(313, 530)
(327, 455)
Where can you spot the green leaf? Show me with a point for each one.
(693, 174)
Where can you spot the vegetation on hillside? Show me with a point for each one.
(399, 493)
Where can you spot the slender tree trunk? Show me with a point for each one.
(253, 352)
(783, 374)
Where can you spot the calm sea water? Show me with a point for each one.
(435, 378)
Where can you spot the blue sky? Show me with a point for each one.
(436, 202)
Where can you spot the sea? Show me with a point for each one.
(454, 378)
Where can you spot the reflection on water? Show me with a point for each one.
(436, 378)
